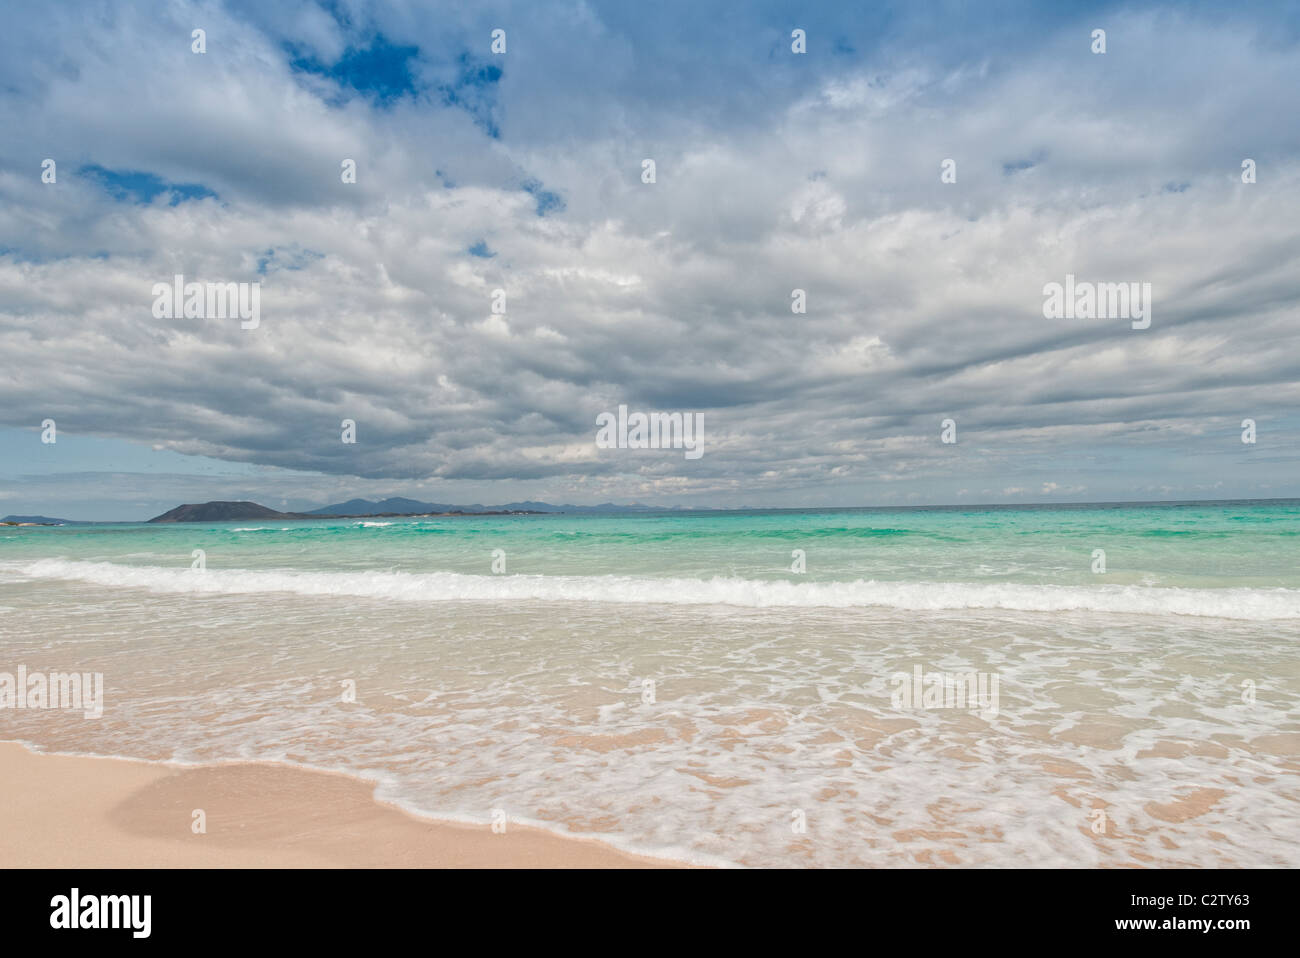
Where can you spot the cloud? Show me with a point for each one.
(773, 174)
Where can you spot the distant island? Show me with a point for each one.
(221, 512)
(218, 511)
(396, 506)
(33, 521)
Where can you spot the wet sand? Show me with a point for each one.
(61, 811)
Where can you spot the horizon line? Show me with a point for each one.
(681, 509)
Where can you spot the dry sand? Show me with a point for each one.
(73, 812)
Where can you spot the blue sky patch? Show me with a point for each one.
(286, 257)
(547, 202)
(380, 70)
(137, 186)
(475, 91)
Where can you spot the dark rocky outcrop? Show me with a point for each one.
(222, 512)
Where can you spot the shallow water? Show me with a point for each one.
(1163, 692)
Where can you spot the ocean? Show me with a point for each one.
(748, 688)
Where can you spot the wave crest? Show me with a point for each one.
(1231, 603)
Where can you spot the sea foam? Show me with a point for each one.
(1227, 603)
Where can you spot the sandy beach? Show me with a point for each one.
(60, 811)
(946, 688)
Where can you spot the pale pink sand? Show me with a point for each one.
(73, 812)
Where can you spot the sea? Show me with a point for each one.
(1089, 685)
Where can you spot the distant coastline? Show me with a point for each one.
(243, 510)
(221, 511)
(33, 521)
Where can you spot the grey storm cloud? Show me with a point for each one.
(924, 298)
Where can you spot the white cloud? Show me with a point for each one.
(924, 298)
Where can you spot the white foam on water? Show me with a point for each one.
(1228, 603)
(757, 714)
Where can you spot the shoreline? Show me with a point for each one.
(77, 811)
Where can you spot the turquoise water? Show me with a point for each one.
(1208, 546)
(670, 684)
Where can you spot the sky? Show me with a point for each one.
(522, 170)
